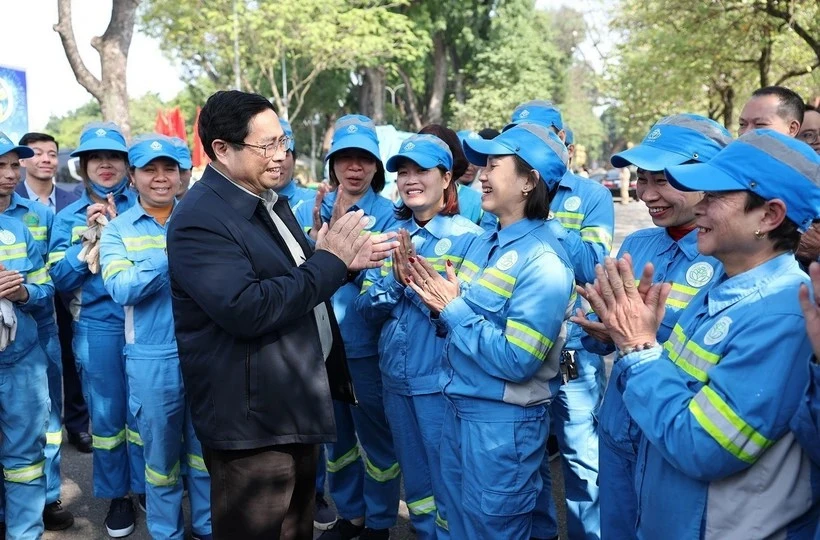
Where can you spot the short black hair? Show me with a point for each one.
(488, 133)
(791, 104)
(540, 198)
(378, 182)
(227, 115)
(34, 136)
(786, 236)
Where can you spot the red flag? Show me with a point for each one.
(177, 125)
(162, 125)
(198, 156)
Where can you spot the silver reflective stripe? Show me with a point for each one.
(788, 156)
(739, 440)
(701, 126)
(354, 121)
(544, 135)
(432, 139)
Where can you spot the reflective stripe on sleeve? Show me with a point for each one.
(498, 282)
(570, 220)
(141, 243)
(689, 356)
(115, 267)
(528, 339)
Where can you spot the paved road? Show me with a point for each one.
(89, 512)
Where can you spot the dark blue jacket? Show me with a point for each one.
(248, 341)
(62, 197)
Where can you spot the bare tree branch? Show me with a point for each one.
(796, 73)
(65, 30)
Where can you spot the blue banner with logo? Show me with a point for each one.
(13, 103)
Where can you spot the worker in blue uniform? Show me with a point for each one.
(287, 185)
(672, 248)
(409, 346)
(99, 335)
(504, 315)
(135, 272)
(469, 200)
(717, 458)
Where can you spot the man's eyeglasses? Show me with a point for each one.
(270, 149)
(809, 137)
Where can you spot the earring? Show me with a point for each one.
(525, 192)
(759, 235)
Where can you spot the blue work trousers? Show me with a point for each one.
(54, 431)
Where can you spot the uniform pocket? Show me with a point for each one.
(497, 503)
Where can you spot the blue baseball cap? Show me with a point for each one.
(426, 151)
(674, 140)
(765, 162)
(183, 153)
(101, 136)
(467, 134)
(288, 133)
(537, 111)
(534, 143)
(151, 146)
(355, 131)
(7, 146)
(570, 136)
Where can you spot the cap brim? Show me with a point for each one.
(477, 150)
(425, 161)
(648, 158)
(360, 142)
(22, 152)
(701, 177)
(142, 161)
(100, 144)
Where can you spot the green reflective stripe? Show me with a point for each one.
(468, 271)
(77, 232)
(197, 462)
(528, 339)
(344, 461)
(38, 277)
(14, 251)
(55, 256)
(498, 282)
(366, 284)
(107, 443)
(441, 522)
(681, 295)
(381, 475)
(25, 474)
(115, 267)
(141, 243)
(422, 506)
(689, 356)
(54, 438)
(39, 233)
(726, 427)
(162, 480)
(598, 235)
(133, 436)
(570, 220)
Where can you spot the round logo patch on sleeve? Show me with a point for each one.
(699, 274)
(442, 246)
(31, 219)
(572, 204)
(507, 261)
(7, 238)
(718, 331)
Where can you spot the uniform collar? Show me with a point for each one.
(52, 197)
(365, 203)
(569, 181)
(518, 229)
(731, 290)
(140, 212)
(688, 244)
(288, 191)
(16, 200)
(437, 226)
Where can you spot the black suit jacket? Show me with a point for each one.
(62, 198)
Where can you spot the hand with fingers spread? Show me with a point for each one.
(434, 290)
(401, 257)
(811, 308)
(631, 318)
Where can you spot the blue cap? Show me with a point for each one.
(570, 136)
(355, 131)
(426, 151)
(765, 162)
(7, 146)
(183, 153)
(537, 111)
(534, 143)
(674, 140)
(467, 134)
(151, 146)
(288, 133)
(101, 136)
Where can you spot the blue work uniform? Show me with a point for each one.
(689, 272)
(410, 361)
(806, 424)
(297, 196)
(369, 489)
(469, 203)
(717, 458)
(99, 339)
(24, 401)
(505, 333)
(135, 272)
(584, 223)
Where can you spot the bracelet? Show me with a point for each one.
(629, 350)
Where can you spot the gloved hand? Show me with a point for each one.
(8, 323)
(90, 253)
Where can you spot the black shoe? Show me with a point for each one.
(120, 519)
(57, 518)
(342, 530)
(374, 534)
(141, 502)
(82, 441)
(324, 517)
(553, 450)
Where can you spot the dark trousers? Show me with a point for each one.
(75, 410)
(264, 493)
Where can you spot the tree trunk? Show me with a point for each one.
(110, 90)
(374, 82)
(764, 63)
(435, 105)
(729, 108)
(410, 100)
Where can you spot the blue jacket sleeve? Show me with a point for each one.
(806, 422)
(593, 242)
(129, 282)
(67, 272)
(380, 294)
(722, 427)
(514, 349)
(37, 281)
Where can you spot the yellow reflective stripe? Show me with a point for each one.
(77, 232)
(468, 271)
(133, 436)
(528, 339)
(141, 243)
(366, 284)
(726, 427)
(54, 438)
(158, 479)
(115, 267)
(107, 443)
(14, 251)
(197, 462)
(38, 277)
(498, 282)
(423, 506)
(344, 461)
(39, 233)
(689, 356)
(441, 522)
(570, 220)
(680, 295)
(55, 256)
(381, 475)
(598, 235)
(25, 474)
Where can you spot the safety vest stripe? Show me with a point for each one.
(107, 443)
(158, 479)
(77, 232)
(38, 277)
(441, 522)
(197, 462)
(133, 436)
(344, 461)
(726, 427)
(115, 267)
(141, 243)
(423, 506)
(381, 475)
(598, 235)
(689, 356)
(55, 256)
(54, 438)
(528, 339)
(24, 475)
(14, 251)
(497, 282)
(467, 271)
(39, 233)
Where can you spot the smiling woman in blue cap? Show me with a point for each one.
(99, 323)
(717, 458)
(503, 315)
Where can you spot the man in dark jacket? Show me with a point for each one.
(259, 347)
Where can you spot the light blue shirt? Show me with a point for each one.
(52, 198)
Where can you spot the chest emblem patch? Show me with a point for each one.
(718, 331)
(507, 261)
(442, 246)
(699, 274)
(572, 204)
